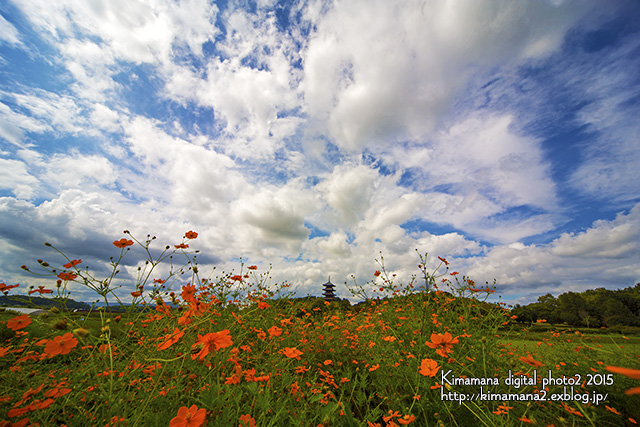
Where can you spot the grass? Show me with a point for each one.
(236, 353)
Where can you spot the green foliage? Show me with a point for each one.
(592, 308)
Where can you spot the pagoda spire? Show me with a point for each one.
(328, 291)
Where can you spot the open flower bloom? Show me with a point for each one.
(67, 276)
(443, 342)
(191, 235)
(247, 421)
(72, 263)
(291, 352)
(122, 243)
(274, 331)
(62, 344)
(189, 417)
(19, 322)
(208, 341)
(429, 368)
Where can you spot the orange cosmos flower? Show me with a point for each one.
(122, 243)
(67, 276)
(631, 373)
(406, 420)
(191, 235)
(216, 340)
(377, 273)
(443, 260)
(609, 408)
(5, 287)
(429, 368)
(188, 292)
(41, 290)
(390, 416)
(274, 331)
(252, 267)
(72, 263)
(529, 360)
(263, 305)
(443, 342)
(247, 421)
(189, 417)
(291, 352)
(60, 344)
(19, 322)
(181, 246)
(171, 339)
(58, 391)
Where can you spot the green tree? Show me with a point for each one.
(572, 308)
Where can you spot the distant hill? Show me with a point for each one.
(40, 302)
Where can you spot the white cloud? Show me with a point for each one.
(490, 158)
(78, 171)
(47, 111)
(97, 39)
(348, 191)
(604, 239)
(249, 86)
(13, 124)
(476, 170)
(268, 217)
(335, 245)
(609, 168)
(15, 177)
(104, 118)
(379, 71)
(136, 31)
(604, 255)
(194, 177)
(9, 131)
(9, 33)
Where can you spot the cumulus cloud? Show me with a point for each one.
(15, 177)
(605, 253)
(379, 71)
(348, 191)
(249, 85)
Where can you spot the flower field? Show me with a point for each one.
(234, 351)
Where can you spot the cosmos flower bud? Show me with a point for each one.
(81, 332)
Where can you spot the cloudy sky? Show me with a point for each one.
(315, 135)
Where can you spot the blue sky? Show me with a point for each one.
(314, 136)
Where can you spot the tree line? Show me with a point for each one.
(593, 308)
